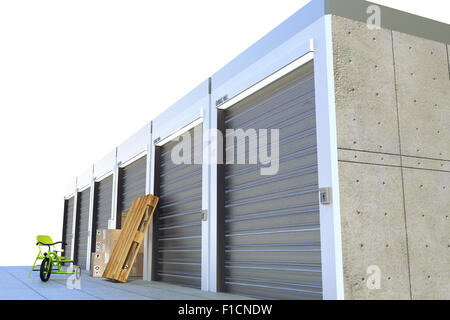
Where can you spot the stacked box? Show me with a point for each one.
(141, 249)
(138, 266)
(124, 216)
(98, 264)
(105, 241)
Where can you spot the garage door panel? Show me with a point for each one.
(103, 199)
(270, 202)
(293, 163)
(304, 277)
(81, 237)
(297, 126)
(131, 193)
(68, 227)
(172, 183)
(262, 107)
(185, 218)
(84, 221)
(180, 205)
(132, 185)
(179, 216)
(175, 255)
(132, 182)
(181, 230)
(175, 204)
(134, 177)
(261, 290)
(256, 214)
(276, 256)
(301, 118)
(290, 237)
(179, 174)
(283, 120)
(166, 158)
(263, 221)
(189, 241)
(187, 268)
(290, 146)
(135, 185)
(82, 246)
(266, 107)
(299, 180)
(182, 190)
(67, 251)
(180, 279)
(272, 222)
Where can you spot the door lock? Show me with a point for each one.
(325, 195)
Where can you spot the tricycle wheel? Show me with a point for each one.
(77, 272)
(46, 269)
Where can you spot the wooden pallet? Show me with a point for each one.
(131, 238)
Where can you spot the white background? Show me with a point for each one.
(79, 77)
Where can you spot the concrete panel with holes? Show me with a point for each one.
(393, 126)
(448, 58)
(366, 110)
(373, 231)
(423, 90)
(427, 202)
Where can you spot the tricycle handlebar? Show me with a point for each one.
(50, 244)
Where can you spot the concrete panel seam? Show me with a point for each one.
(392, 154)
(401, 164)
(422, 169)
(448, 60)
(424, 158)
(393, 166)
(371, 164)
(358, 156)
(368, 157)
(426, 164)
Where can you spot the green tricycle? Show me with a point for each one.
(51, 261)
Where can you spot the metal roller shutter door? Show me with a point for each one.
(81, 237)
(271, 227)
(103, 202)
(68, 225)
(132, 184)
(178, 225)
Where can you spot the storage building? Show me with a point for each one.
(359, 205)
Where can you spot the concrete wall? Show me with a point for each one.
(393, 125)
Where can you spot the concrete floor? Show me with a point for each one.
(15, 285)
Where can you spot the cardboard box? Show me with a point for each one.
(97, 264)
(99, 258)
(138, 266)
(97, 271)
(124, 216)
(106, 239)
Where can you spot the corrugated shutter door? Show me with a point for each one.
(179, 217)
(103, 201)
(132, 184)
(82, 229)
(272, 229)
(68, 226)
